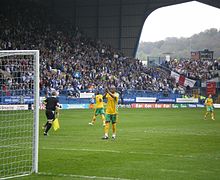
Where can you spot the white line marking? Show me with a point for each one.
(89, 150)
(178, 131)
(14, 176)
(82, 176)
(185, 171)
(119, 152)
(173, 170)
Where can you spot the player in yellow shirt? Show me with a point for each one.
(111, 111)
(209, 107)
(99, 109)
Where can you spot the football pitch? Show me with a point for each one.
(158, 144)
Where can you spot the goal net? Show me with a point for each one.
(19, 112)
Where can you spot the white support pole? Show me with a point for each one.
(36, 112)
(32, 166)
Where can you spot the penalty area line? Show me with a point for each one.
(81, 176)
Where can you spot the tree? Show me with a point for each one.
(180, 47)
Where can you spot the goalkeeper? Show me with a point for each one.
(52, 108)
(209, 107)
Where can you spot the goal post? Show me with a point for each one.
(19, 112)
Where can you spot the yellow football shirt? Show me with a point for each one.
(112, 104)
(209, 102)
(99, 101)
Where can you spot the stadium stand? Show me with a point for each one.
(195, 69)
(72, 63)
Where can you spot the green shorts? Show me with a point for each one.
(99, 111)
(209, 108)
(111, 118)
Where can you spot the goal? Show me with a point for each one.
(19, 112)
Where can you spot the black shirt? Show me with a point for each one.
(51, 103)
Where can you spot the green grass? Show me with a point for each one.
(151, 144)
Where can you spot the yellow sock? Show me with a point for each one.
(114, 128)
(93, 119)
(103, 119)
(212, 116)
(106, 128)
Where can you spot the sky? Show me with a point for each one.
(182, 20)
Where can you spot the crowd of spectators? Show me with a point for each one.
(71, 62)
(16, 77)
(202, 69)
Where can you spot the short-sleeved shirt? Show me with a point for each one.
(209, 102)
(99, 101)
(51, 103)
(112, 104)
